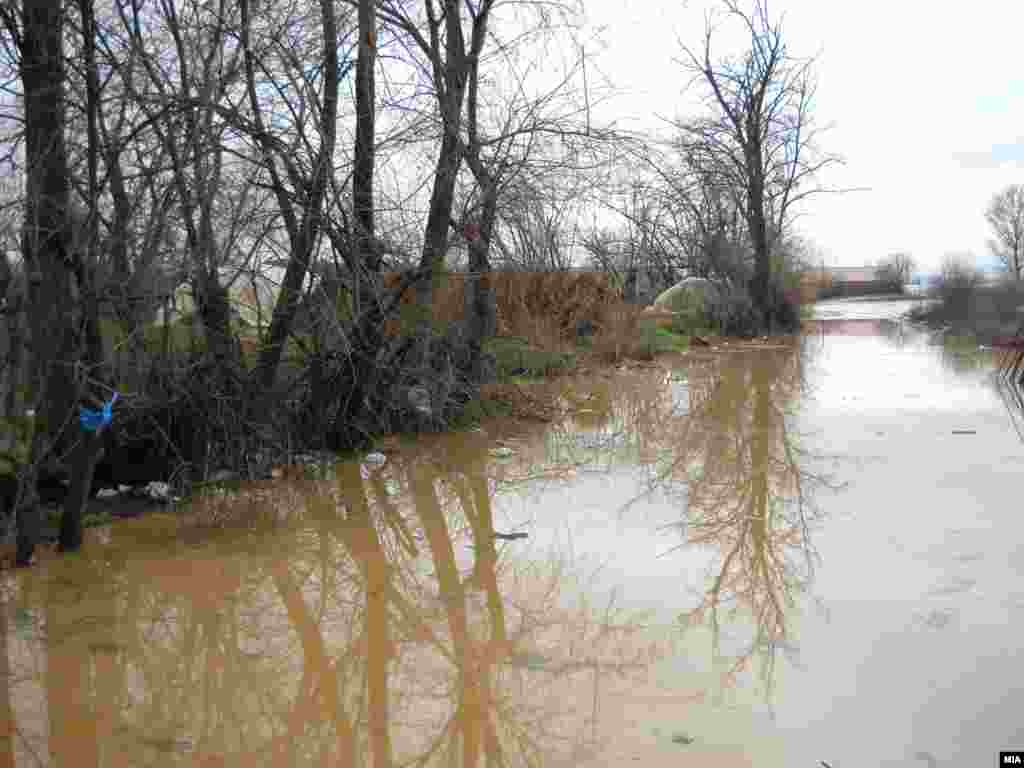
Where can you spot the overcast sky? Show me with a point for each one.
(926, 103)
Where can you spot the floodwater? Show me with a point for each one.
(775, 554)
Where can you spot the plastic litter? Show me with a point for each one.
(94, 421)
(158, 491)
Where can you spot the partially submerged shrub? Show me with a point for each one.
(965, 303)
(956, 290)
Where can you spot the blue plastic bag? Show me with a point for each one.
(94, 421)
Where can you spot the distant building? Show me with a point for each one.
(852, 281)
(853, 274)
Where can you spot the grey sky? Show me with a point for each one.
(925, 100)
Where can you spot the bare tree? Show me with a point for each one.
(1005, 214)
(53, 271)
(448, 61)
(760, 138)
(303, 223)
(538, 230)
(363, 161)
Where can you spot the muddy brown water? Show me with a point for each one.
(775, 557)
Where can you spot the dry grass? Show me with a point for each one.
(541, 313)
(542, 307)
(620, 336)
(813, 284)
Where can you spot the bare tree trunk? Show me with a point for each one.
(12, 369)
(365, 266)
(760, 284)
(48, 265)
(435, 240)
(481, 315)
(363, 160)
(305, 234)
(89, 446)
(481, 312)
(450, 84)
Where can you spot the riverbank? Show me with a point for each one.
(525, 388)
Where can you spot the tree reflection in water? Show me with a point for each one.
(736, 463)
(374, 621)
(370, 617)
(1010, 387)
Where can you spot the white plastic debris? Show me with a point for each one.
(107, 493)
(376, 459)
(158, 491)
(502, 452)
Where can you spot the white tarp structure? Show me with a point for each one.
(690, 293)
(252, 300)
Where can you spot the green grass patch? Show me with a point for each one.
(93, 519)
(19, 453)
(185, 335)
(670, 341)
(515, 356)
(476, 411)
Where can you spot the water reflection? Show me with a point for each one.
(378, 623)
(1011, 392)
(374, 616)
(749, 487)
(717, 439)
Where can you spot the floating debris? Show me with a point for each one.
(682, 738)
(511, 536)
(965, 431)
(376, 459)
(168, 745)
(157, 491)
(502, 452)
